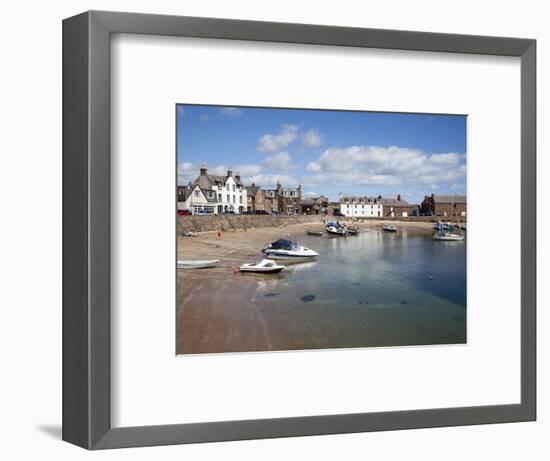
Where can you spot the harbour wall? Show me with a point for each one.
(234, 222)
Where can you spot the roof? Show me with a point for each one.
(394, 202)
(253, 189)
(313, 200)
(450, 199)
(206, 181)
(354, 199)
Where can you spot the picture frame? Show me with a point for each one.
(86, 229)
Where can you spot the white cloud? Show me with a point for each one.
(275, 142)
(187, 171)
(270, 180)
(312, 138)
(231, 111)
(248, 170)
(279, 162)
(385, 166)
(313, 167)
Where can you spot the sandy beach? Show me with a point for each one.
(216, 310)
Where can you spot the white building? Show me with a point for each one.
(361, 207)
(213, 194)
(197, 201)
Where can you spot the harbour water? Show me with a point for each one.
(374, 289)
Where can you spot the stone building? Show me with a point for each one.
(256, 199)
(397, 207)
(444, 205)
(315, 205)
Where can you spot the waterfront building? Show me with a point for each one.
(315, 205)
(196, 200)
(444, 205)
(256, 199)
(361, 207)
(397, 207)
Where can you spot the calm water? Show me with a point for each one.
(375, 289)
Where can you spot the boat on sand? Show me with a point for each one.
(265, 266)
(315, 233)
(389, 228)
(197, 264)
(289, 251)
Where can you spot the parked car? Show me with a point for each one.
(248, 212)
(337, 213)
(203, 213)
(184, 213)
(262, 212)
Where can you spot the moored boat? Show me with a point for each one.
(265, 266)
(448, 236)
(315, 233)
(197, 264)
(389, 228)
(287, 250)
(335, 228)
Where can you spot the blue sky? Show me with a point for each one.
(327, 152)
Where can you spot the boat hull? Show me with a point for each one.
(449, 238)
(290, 258)
(197, 264)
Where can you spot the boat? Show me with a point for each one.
(265, 266)
(315, 233)
(335, 228)
(197, 264)
(284, 249)
(352, 231)
(389, 228)
(448, 236)
(445, 232)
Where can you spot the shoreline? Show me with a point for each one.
(216, 311)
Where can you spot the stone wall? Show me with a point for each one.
(230, 222)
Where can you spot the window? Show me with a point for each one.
(240, 199)
(227, 187)
(233, 199)
(228, 198)
(219, 197)
(233, 187)
(197, 193)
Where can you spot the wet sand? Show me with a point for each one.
(216, 310)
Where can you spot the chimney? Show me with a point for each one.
(203, 170)
(398, 197)
(278, 185)
(238, 176)
(229, 172)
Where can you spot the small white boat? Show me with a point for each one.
(335, 228)
(448, 237)
(289, 251)
(351, 231)
(197, 264)
(389, 228)
(264, 266)
(315, 233)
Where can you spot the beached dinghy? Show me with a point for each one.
(315, 233)
(289, 251)
(389, 228)
(265, 266)
(352, 231)
(197, 264)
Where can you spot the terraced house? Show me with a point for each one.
(361, 207)
(213, 194)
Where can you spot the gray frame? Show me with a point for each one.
(86, 229)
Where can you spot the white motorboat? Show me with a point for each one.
(448, 237)
(197, 264)
(335, 228)
(264, 266)
(289, 251)
(389, 228)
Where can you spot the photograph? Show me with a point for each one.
(307, 229)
